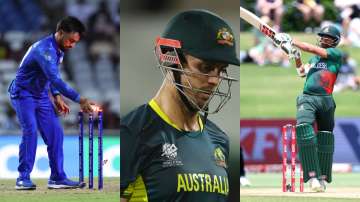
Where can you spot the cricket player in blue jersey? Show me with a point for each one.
(38, 74)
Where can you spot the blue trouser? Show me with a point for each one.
(38, 114)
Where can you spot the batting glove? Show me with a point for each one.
(295, 53)
(287, 48)
(282, 38)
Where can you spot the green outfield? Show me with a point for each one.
(267, 188)
(271, 91)
(110, 193)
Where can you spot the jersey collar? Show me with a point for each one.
(56, 46)
(165, 117)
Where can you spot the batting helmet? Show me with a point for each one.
(332, 32)
(206, 36)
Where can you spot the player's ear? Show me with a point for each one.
(61, 33)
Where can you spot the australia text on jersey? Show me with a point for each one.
(201, 182)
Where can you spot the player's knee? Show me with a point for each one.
(304, 132)
(30, 131)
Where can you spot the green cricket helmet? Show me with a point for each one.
(332, 32)
(204, 35)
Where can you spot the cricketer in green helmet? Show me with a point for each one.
(170, 151)
(316, 105)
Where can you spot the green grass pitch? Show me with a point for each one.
(110, 192)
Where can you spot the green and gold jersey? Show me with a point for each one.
(323, 72)
(160, 162)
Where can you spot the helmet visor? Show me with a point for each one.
(169, 63)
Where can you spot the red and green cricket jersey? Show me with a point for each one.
(161, 163)
(323, 72)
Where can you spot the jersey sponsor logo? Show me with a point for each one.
(224, 37)
(321, 65)
(219, 158)
(201, 182)
(169, 153)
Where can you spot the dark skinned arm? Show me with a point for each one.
(310, 48)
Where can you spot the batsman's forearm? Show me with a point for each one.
(310, 48)
(303, 45)
(306, 47)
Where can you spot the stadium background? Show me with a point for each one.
(268, 101)
(92, 68)
(140, 79)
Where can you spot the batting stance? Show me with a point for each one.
(170, 151)
(316, 104)
(37, 74)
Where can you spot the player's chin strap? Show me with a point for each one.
(182, 96)
(185, 100)
(206, 114)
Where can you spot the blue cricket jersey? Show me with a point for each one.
(39, 72)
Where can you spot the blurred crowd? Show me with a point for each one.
(92, 67)
(311, 13)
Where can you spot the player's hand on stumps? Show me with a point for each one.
(88, 106)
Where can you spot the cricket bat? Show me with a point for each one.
(255, 21)
(264, 28)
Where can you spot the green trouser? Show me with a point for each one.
(319, 109)
(315, 152)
